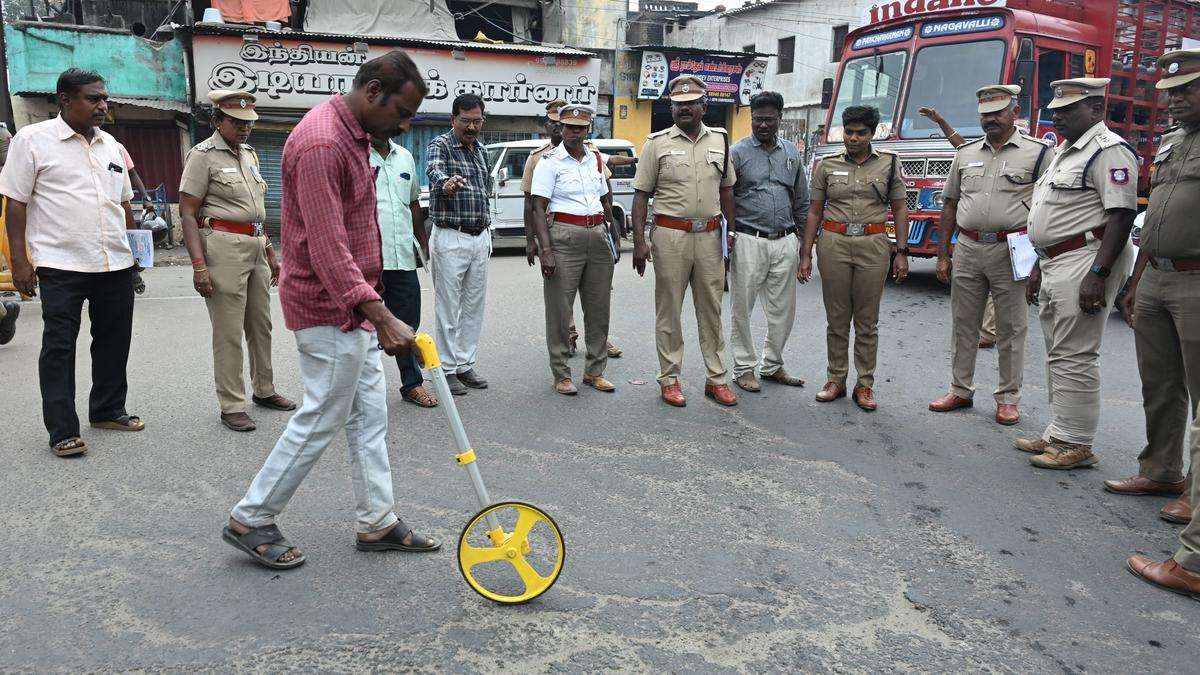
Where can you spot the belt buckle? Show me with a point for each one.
(856, 229)
(1041, 253)
(699, 225)
(258, 229)
(1163, 264)
(989, 237)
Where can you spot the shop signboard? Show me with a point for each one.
(728, 79)
(299, 74)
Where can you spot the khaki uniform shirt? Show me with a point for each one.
(1171, 228)
(854, 193)
(685, 175)
(1071, 197)
(228, 183)
(994, 187)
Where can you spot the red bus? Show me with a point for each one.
(915, 53)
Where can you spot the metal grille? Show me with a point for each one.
(489, 137)
(913, 198)
(939, 168)
(913, 168)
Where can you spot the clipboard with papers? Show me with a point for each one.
(1022, 255)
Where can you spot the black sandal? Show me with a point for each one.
(258, 536)
(394, 541)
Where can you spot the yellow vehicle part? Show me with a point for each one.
(523, 581)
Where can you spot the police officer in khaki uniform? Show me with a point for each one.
(687, 169)
(576, 248)
(1163, 300)
(221, 204)
(850, 196)
(987, 198)
(1079, 221)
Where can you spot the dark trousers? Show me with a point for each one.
(110, 309)
(402, 297)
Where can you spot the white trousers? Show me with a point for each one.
(344, 389)
(767, 268)
(460, 270)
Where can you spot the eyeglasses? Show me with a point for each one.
(758, 121)
(477, 122)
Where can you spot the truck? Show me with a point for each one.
(914, 53)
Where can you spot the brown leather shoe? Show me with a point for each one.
(598, 383)
(1007, 414)
(566, 387)
(865, 398)
(275, 401)
(1178, 511)
(1064, 456)
(950, 402)
(720, 393)
(831, 391)
(238, 421)
(673, 395)
(985, 343)
(1137, 485)
(1168, 575)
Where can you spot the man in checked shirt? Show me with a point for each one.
(330, 295)
(460, 183)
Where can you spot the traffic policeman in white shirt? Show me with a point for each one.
(576, 248)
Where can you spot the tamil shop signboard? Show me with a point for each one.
(296, 74)
(902, 9)
(728, 79)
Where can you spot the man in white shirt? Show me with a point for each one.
(68, 200)
(575, 248)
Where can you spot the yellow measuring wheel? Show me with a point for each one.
(509, 552)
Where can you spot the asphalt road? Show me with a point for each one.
(779, 535)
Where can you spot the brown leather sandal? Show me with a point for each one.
(418, 396)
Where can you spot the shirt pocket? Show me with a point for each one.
(837, 186)
(228, 184)
(1063, 184)
(675, 167)
(971, 178)
(114, 184)
(1015, 180)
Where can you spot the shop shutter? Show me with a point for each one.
(269, 147)
(155, 151)
(417, 140)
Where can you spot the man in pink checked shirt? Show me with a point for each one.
(330, 295)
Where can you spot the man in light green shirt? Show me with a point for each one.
(402, 231)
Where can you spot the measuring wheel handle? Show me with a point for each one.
(512, 548)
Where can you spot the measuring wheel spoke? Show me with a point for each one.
(533, 580)
(525, 522)
(475, 555)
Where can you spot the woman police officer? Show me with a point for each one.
(851, 193)
(222, 206)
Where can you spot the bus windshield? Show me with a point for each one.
(946, 77)
(870, 80)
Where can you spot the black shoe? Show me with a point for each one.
(8, 327)
(472, 379)
(456, 387)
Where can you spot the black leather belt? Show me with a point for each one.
(465, 229)
(742, 229)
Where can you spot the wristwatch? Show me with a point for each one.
(1100, 271)
(902, 250)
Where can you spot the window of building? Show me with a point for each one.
(839, 41)
(787, 54)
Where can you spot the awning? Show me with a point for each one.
(155, 103)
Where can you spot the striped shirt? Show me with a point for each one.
(332, 256)
(467, 208)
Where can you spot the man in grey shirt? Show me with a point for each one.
(772, 199)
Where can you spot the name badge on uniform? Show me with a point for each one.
(229, 169)
(974, 164)
(841, 173)
(677, 152)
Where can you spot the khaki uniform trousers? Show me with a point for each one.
(583, 266)
(1073, 343)
(766, 267)
(1188, 554)
(853, 271)
(683, 259)
(240, 303)
(983, 270)
(988, 332)
(1167, 335)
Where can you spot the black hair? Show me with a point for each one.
(867, 115)
(70, 81)
(218, 114)
(767, 99)
(1095, 102)
(466, 102)
(393, 70)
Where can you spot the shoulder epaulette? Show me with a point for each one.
(656, 134)
(719, 130)
(249, 147)
(976, 141)
(205, 145)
